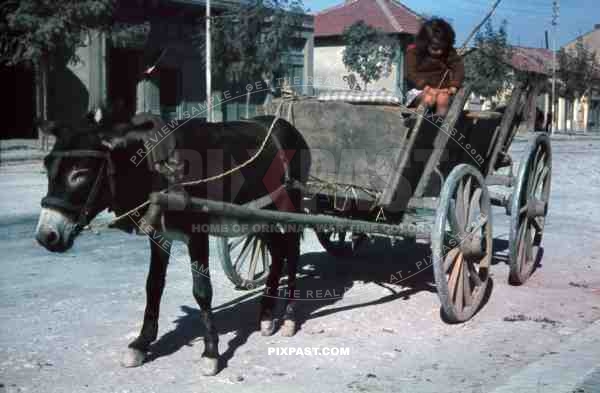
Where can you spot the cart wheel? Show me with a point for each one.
(246, 260)
(528, 208)
(461, 243)
(341, 244)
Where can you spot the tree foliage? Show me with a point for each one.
(576, 70)
(369, 52)
(31, 30)
(486, 67)
(252, 39)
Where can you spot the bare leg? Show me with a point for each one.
(155, 283)
(429, 98)
(202, 289)
(441, 104)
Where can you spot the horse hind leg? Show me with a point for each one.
(155, 283)
(266, 315)
(202, 290)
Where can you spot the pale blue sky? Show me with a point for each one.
(527, 19)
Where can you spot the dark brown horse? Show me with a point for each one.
(99, 165)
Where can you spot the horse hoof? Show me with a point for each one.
(288, 329)
(267, 327)
(210, 366)
(133, 358)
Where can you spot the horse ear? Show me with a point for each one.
(48, 127)
(98, 115)
(138, 129)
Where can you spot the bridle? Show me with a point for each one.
(82, 212)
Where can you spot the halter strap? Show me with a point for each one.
(83, 211)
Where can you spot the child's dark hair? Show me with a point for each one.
(435, 31)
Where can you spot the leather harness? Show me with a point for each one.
(82, 212)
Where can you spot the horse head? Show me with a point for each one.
(81, 174)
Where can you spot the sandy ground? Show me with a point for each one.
(66, 319)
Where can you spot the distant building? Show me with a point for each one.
(537, 62)
(390, 16)
(110, 69)
(582, 114)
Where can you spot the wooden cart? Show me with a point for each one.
(380, 170)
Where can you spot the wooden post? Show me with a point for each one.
(209, 117)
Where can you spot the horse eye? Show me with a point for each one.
(77, 176)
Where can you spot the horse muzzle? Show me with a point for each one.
(55, 231)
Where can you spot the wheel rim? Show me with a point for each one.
(462, 244)
(246, 260)
(340, 244)
(533, 184)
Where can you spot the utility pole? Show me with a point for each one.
(209, 109)
(555, 13)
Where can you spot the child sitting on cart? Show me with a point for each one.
(434, 67)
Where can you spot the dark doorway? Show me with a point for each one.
(124, 68)
(18, 111)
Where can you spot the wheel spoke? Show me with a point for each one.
(474, 274)
(264, 251)
(530, 239)
(450, 258)
(453, 214)
(474, 206)
(483, 220)
(459, 292)
(540, 180)
(522, 255)
(454, 273)
(467, 286)
(254, 260)
(236, 242)
(533, 169)
(242, 255)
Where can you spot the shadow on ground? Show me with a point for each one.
(404, 269)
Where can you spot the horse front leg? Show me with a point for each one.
(155, 283)
(292, 244)
(202, 289)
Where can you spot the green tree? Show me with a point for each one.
(32, 31)
(486, 67)
(576, 70)
(251, 39)
(369, 52)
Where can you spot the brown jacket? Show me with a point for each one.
(430, 71)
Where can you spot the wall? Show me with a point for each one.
(329, 68)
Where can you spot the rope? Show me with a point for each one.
(242, 165)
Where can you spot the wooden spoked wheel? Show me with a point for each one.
(246, 260)
(461, 243)
(528, 209)
(340, 244)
